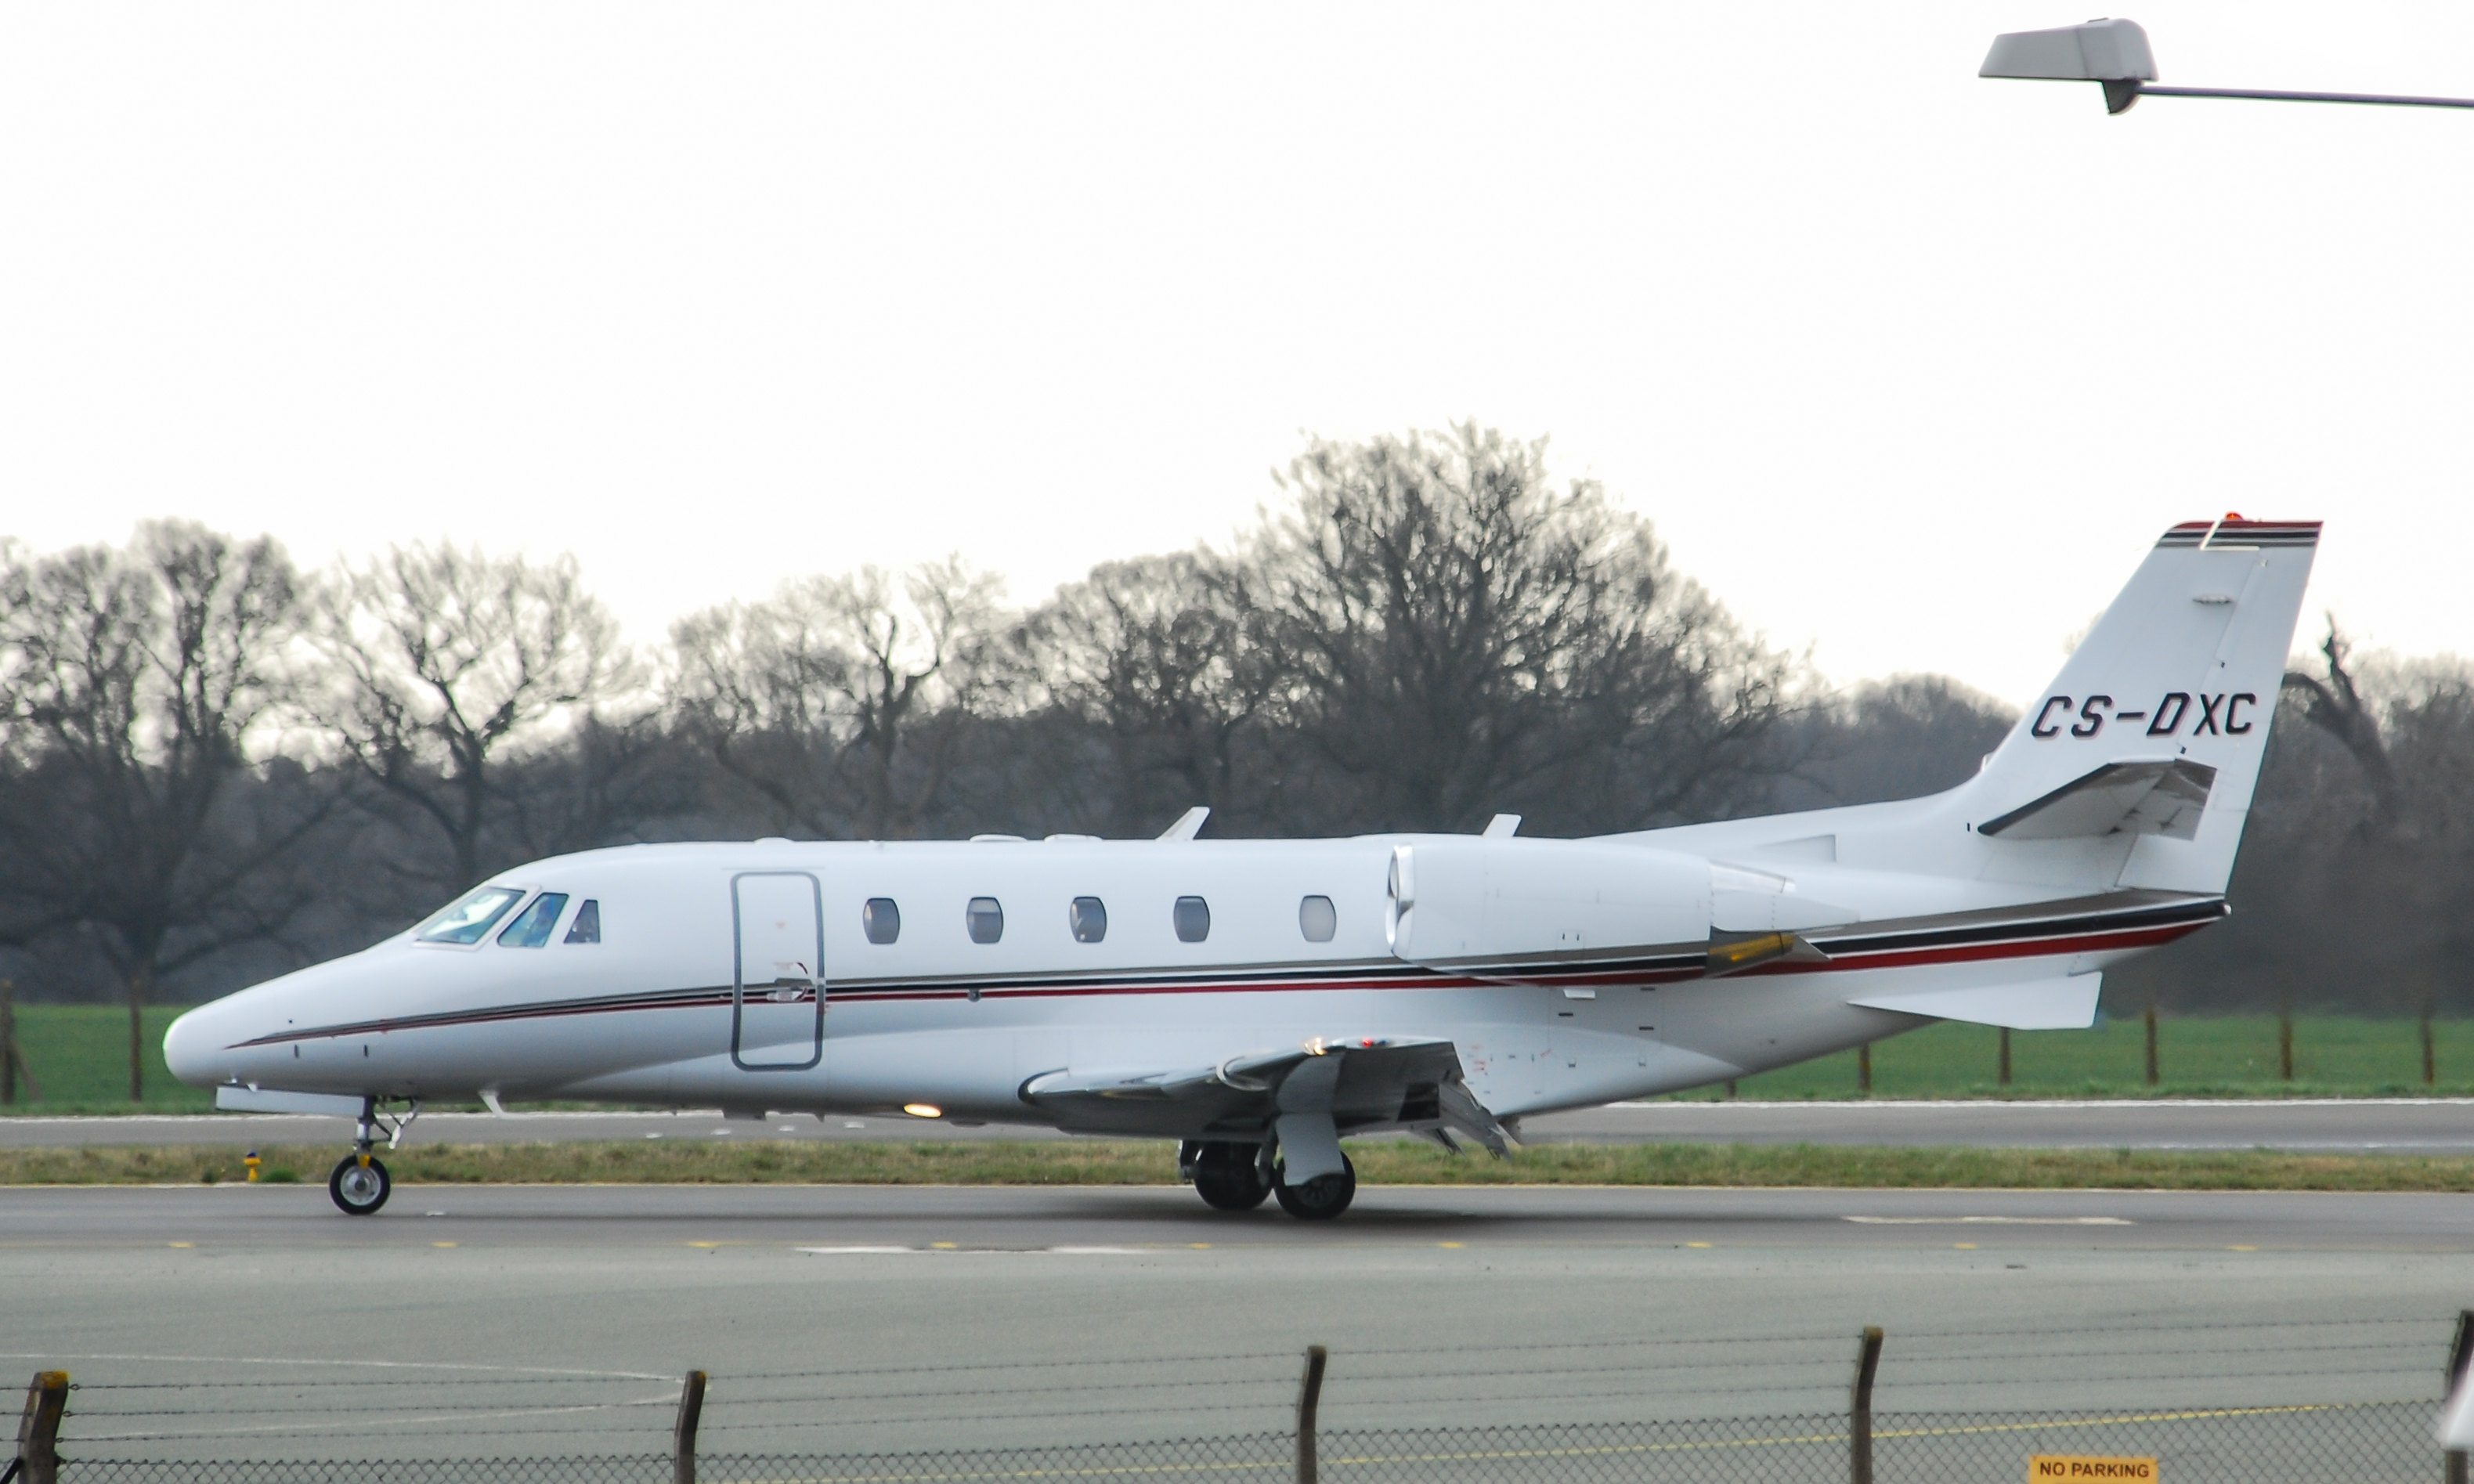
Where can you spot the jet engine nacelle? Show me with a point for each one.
(1467, 901)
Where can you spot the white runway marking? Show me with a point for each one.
(1990, 1221)
(976, 1251)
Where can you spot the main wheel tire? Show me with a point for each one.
(359, 1189)
(1321, 1198)
(1228, 1177)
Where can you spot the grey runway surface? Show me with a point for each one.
(847, 1318)
(2394, 1126)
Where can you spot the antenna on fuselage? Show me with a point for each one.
(1188, 824)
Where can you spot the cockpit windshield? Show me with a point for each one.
(469, 916)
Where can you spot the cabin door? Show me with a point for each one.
(777, 1019)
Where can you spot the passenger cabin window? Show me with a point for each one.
(1193, 916)
(531, 927)
(1317, 920)
(1088, 917)
(881, 920)
(985, 918)
(587, 926)
(469, 916)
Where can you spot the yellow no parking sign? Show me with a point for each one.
(2075, 1468)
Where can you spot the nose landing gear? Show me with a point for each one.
(359, 1184)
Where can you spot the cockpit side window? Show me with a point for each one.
(469, 916)
(532, 926)
(587, 926)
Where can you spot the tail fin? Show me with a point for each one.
(2156, 726)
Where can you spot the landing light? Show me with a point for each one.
(923, 1109)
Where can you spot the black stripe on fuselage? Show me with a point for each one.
(2075, 918)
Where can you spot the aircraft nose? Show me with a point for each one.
(190, 1047)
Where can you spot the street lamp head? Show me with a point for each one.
(2112, 52)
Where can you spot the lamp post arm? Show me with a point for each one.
(2391, 100)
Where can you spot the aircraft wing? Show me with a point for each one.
(1363, 1081)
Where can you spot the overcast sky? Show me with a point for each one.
(1907, 366)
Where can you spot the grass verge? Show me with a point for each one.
(80, 1056)
(1380, 1162)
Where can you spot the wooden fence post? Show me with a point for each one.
(1309, 1396)
(1864, 1068)
(2429, 1062)
(2460, 1351)
(9, 1040)
(2284, 1044)
(691, 1411)
(38, 1430)
(2152, 1043)
(1859, 1411)
(2006, 1055)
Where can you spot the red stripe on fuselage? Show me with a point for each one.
(2091, 942)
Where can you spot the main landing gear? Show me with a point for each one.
(359, 1184)
(1320, 1199)
(1228, 1177)
(1235, 1178)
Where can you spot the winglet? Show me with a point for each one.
(1188, 824)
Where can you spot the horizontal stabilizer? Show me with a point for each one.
(2145, 796)
(2038, 1004)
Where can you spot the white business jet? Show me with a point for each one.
(1258, 1000)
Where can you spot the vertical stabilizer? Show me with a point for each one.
(2149, 744)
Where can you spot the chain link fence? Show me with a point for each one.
(2374, 1443)
(1036, 1422)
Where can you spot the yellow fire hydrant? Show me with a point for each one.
(250, 1160)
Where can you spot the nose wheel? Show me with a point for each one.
(359, 1185)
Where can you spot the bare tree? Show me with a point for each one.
(443, 660)
(131, 682)
(2336, 705)
(1896, 739)
(1457, 636)
(1163, 657)
(840, 700)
